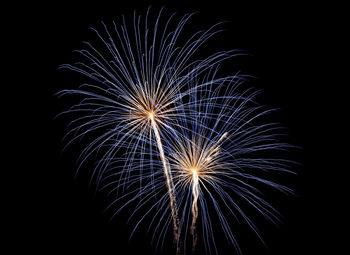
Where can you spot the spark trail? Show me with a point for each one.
(168, 177)
(195, 193)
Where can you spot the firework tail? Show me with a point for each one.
(169, 180)
(195, 193)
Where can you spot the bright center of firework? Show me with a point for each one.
(151, 115)
(194, 171)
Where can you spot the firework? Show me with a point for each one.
(170, 134)
(220, 155)
(135, 83)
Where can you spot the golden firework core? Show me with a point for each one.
(194, 171)
(151, 115)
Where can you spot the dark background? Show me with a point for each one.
(59, 214)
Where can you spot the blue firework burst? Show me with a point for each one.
(172, 136)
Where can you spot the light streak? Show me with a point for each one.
(195, 193)
(168, 176)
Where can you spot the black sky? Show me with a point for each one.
(57, 213)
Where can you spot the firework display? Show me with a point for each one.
(173, 138)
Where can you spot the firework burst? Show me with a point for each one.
(167, 138)
(134, 89)
(220, 156)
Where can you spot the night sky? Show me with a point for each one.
(57, 213)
